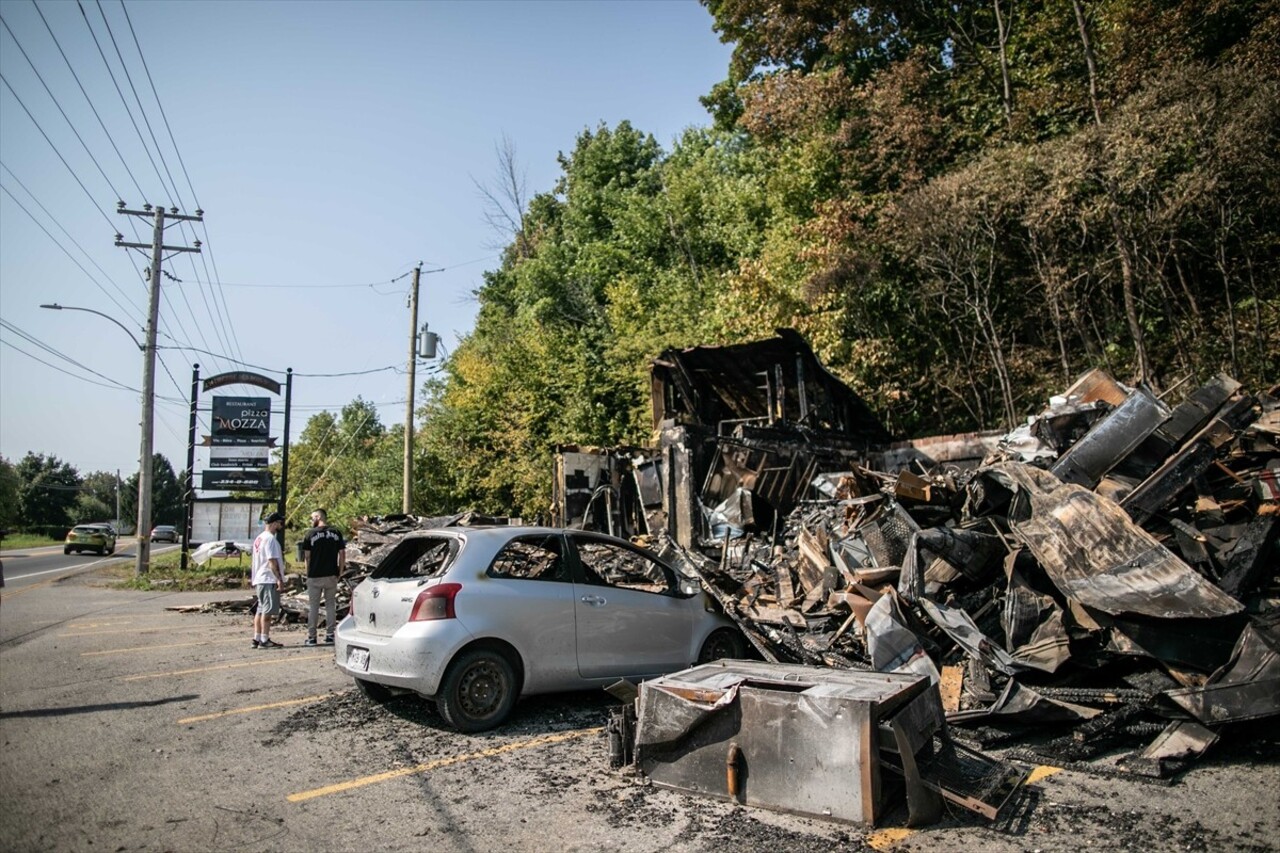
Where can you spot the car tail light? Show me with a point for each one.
(435, 603)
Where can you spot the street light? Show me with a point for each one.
(56, 307)
(145, 457)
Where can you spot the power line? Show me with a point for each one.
(227, 331)
(282, 372)
(8, 192)
(114, 386)
(55, 150)
(111, 73)
(86, 147)
(89, 100)
(58, 104)
(173, 187)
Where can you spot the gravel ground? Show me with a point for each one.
(1094, 805)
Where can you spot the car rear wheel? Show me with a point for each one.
(373, 691)
(723, 643)
(66, 550)
(478, 691)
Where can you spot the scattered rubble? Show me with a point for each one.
(1104, 576)
(1111, 568)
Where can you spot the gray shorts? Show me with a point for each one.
(268, 599)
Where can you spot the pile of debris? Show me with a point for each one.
(1112, 566)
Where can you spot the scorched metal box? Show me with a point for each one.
(781, 736)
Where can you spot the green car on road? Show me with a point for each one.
(90, 537)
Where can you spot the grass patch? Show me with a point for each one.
(14, 541)
(165, 572)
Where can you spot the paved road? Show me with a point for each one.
(129, 725)
(23, 566)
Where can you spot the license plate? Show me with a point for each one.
(358, 659)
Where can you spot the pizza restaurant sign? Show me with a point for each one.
(242, 416)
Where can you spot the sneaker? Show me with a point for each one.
(310, 641)
(269, 644)
(255, 644)
(328, 639)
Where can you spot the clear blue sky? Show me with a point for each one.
(332, 146)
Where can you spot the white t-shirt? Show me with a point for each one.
(265, 547)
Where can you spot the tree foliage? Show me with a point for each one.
(10, 485)
(961, 206)
(166, 495)
(348, 464)
(47, 490)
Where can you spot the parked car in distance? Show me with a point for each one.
(90, 537)
(164, 533)
(474, 618)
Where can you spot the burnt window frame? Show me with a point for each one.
(565, 574)
(577, 540)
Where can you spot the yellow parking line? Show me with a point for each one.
(154, 647)
(438, 763)
(274, 660)
(10, 593)
(138, 631)
(887, 838)
(77, 626)
(252, 708)
(1041, 772)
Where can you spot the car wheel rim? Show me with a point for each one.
(481, 690)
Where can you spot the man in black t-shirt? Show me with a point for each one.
(325, 553)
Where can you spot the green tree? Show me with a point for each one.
(166, 495)
(47, 491)
(97, 500)
(10, 485)
(348, 464)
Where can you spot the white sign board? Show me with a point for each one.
(218, 521)
(238, 457)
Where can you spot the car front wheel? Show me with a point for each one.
(723, 643)
(478, 691)
(66, 550)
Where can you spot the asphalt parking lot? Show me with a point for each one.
(128, 726)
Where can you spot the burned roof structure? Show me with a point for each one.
(740, 431)
(774, 382)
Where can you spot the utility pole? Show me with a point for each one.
(408, 415)
(145, 466)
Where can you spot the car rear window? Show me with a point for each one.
(85, 531)
(418, 558)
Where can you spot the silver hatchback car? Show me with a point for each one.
(474, 618)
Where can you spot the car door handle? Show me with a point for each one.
(594, 600)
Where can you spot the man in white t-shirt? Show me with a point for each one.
(267, 576)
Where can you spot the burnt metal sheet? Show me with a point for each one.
(1183, 467)
(1095, 554)
(1020, 703)
(1181, 741)
(894, 647)
(959, 627)
(1254, 554)
(1111, 439)
(1246, 688)
(1034, 628)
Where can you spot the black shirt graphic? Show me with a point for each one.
(324, 543)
